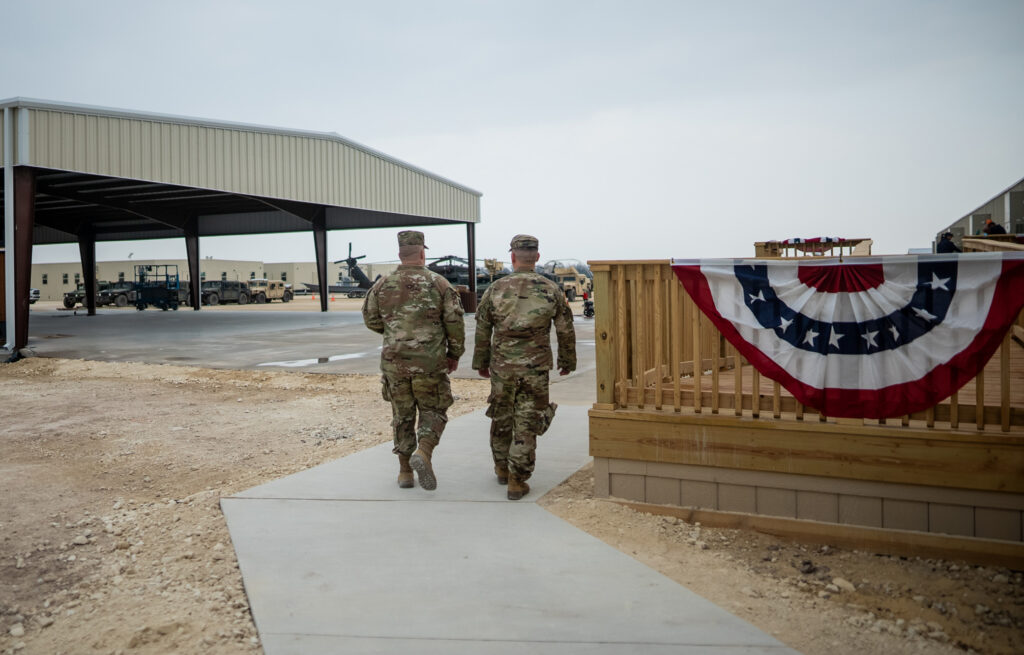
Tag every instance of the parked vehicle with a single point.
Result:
(567, 274)
(214, 292)
(33, 296)
(119, 294)
(157, 285)
(77, 297)
(261, 291)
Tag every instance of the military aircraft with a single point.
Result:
(357, 290)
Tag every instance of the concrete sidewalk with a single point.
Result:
(339, 559)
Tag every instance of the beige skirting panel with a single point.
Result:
(870, 504)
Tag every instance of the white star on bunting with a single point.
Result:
(939, 283)
(924, 313)
(759, 296)
(869, 337)
(834, 337)
(810, 337)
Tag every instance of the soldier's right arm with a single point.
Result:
(484, 327)
(371, 311)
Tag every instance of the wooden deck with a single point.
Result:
(742, 446)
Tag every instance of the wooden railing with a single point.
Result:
(656, 351)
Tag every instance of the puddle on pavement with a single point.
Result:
(299, 363)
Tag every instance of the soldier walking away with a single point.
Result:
(513, 349)
(420, 316)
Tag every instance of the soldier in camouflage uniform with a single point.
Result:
(513, 349)
(420, 316)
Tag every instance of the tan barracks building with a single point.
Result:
(54, 280)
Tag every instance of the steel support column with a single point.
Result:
(24, 221)
(471, 250)
(320, 242)
(192, 253)
(87, 251)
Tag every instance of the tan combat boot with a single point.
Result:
(501, 470)
(517, 488)
(420, 462)
(405, 480)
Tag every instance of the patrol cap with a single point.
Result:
(410, 238)
(523, 242)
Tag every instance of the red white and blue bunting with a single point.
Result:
(868, 337)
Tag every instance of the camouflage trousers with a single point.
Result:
(520, 412)
(430, 396)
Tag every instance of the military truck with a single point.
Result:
(262, 291)
(567, 273)
(214, 292)
(120, 294)
(77, 297)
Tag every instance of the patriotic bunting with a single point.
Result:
(868, 337)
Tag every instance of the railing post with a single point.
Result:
(604, 337)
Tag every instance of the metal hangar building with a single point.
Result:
(75, 173)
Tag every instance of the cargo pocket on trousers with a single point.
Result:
(385, 392)
(546, 416)
(444, 394)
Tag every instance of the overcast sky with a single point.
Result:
(610, 130)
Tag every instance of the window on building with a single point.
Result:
(284, 276)
(252, 275)
(202, 276)
(341, 276)
(44, 278)
(120, 276)
(223, 276)
(78, 279)
(65, 278)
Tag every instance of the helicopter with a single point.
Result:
(357, 290)
(456, 270)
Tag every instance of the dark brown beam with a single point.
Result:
(87, 250)
(192, 252)
(320, 244)
(24, 221)
(471, 247)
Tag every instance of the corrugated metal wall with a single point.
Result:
(315, 169)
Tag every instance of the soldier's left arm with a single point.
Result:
(454, 323)
(566, 335)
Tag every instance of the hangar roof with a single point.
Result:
(134, 175)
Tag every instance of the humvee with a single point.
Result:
(119, 294)
(566, 274)
(262, 290)
(77, 297)
(215, 292)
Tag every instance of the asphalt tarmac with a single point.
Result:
(255, 337)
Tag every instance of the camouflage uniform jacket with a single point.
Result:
(513, 326)
(420, 316)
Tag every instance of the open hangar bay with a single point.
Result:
(82, 174)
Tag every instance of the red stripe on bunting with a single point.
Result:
(842, 277)
(896, 400)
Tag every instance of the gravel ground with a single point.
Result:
(112, 539)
